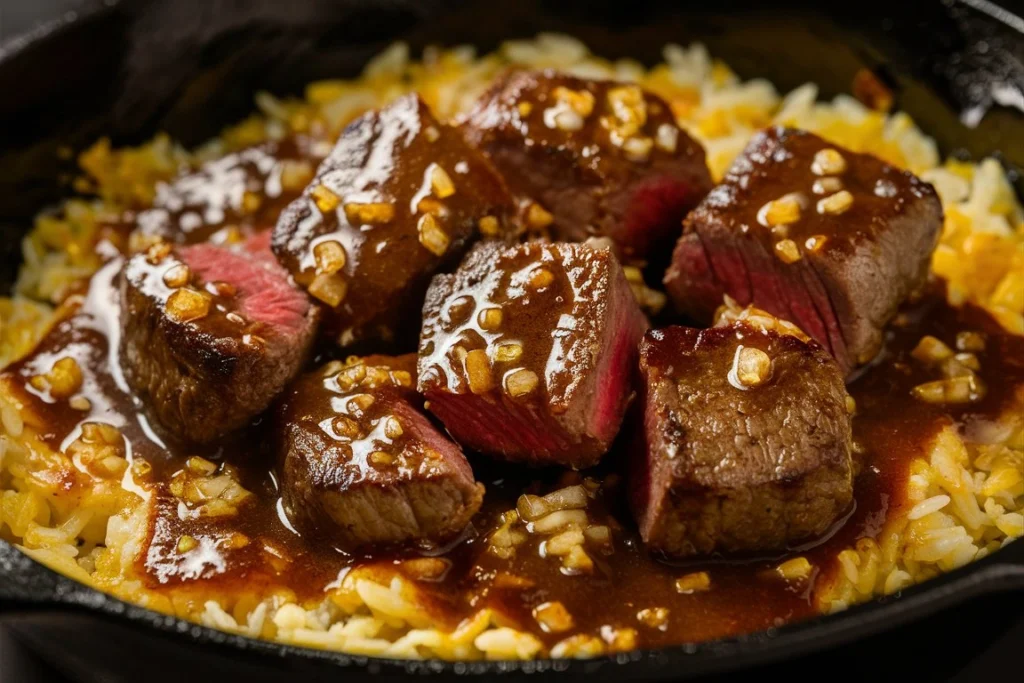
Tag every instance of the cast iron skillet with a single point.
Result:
(127, 69)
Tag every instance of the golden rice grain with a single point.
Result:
(697, 582)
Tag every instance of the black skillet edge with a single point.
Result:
(31, 589)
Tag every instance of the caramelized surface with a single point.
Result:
(600, 157)
(828, 239)
(352, 407)
(587, 122)
(803, 166)
(747, 441)
(361, 465)
(710, 397)
(400, 196)
(541, 303)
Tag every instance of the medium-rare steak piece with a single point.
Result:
(527, 352)
(400, 197)
(211, 334)
(830, 240)
(747, 440)
(362, 465)
(604, 158)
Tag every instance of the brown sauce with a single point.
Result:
(891, 428)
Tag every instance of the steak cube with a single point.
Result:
(527, 352)
(605, 158)
(747, 440)
(362, 465)
(400, 197)
(831, 240)
(211, 334)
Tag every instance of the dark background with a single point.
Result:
(980, 641)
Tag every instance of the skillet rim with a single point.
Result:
(36, 589)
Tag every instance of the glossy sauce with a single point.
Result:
(538, 342)
(543, 298)
(591, 121)
(786, 165)
(231, 197)
(604, 158)
(355, 431)
(831, 241)
(891, 428)
(400, 196)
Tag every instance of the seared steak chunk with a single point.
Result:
(747, 441)
(527, 352)
(604, 158)
(400, 197)
(362, 465)
(227, 199)
(211, 334)
(831, 240)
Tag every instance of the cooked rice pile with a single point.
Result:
(967, 498)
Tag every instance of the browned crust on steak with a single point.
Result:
(739, 470)
(421, 490)
(586, 178)
(207, 377)
(384, 161)
(875, 254)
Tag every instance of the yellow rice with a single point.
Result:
(967, 498)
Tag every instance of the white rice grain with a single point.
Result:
(928, 506)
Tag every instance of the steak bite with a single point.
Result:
(527, 352)
(747, 440)
(362, 465)
(829, 239)
(604, 158)
(400, 197)
(211, 334)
